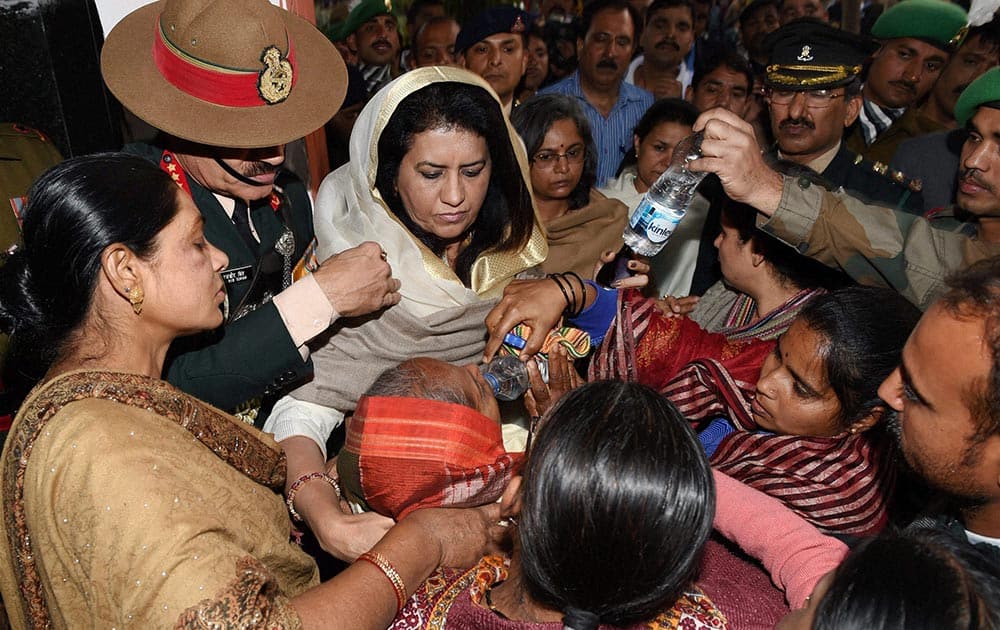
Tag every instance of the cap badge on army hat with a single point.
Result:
(226, 73)
(277, 77)
(828, 59)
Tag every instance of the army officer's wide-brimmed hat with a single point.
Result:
(227, 73)
(808, 54)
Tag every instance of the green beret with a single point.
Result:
(937, 22)
(985, 89)
(360, 14)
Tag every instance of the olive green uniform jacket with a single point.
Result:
(253, 356)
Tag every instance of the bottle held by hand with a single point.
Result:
(659, 211)
(508, 376)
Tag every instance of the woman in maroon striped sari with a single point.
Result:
(808, 431)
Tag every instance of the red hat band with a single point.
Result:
(230, 87)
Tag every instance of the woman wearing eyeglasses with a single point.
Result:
(581, 223)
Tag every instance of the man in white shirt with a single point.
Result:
(666, 41)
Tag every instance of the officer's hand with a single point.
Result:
(358, 281)
(730, 151)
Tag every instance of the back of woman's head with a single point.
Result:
(918, 580)
(864, 329)
(617, 503)
(505, 221)
(785, 263)
(75, 210)
(533, 118)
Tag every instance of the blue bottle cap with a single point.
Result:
(514, 340)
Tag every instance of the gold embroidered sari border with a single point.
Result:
(225, 437)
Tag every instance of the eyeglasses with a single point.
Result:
(549, 159)
(815, 99)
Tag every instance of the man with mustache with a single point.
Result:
(917, 38)
(813, 94)
(723, 79)
(979, 52)
(222, 140)
(931, 156)
(666, 41)
(790, 10)
(493, 45)
(946, 399)
(371, 30)
(608, 33)
(873, 244)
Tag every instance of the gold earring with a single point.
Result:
(135, 298)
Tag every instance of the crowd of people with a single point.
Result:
(241, 405)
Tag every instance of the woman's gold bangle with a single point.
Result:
(390, 572)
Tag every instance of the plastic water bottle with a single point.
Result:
(508, 376)
(659, 211)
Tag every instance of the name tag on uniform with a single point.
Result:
(240, 274)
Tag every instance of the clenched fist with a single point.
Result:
(358, 281)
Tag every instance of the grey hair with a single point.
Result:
(407, 380)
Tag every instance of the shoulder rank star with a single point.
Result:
(275, 81)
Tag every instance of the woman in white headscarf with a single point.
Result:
(439, 179)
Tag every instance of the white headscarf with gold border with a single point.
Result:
(350, 210)
(438, 316)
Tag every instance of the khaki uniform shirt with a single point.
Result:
(877, 245)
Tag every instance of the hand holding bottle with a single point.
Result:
(659, 211)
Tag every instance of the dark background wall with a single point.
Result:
(50, 64)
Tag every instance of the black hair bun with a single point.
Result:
(19, 308)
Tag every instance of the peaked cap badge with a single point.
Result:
(517, 26)
(806, 54)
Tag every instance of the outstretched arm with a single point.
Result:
(794, 552)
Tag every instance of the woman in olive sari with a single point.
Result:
(125, 501)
